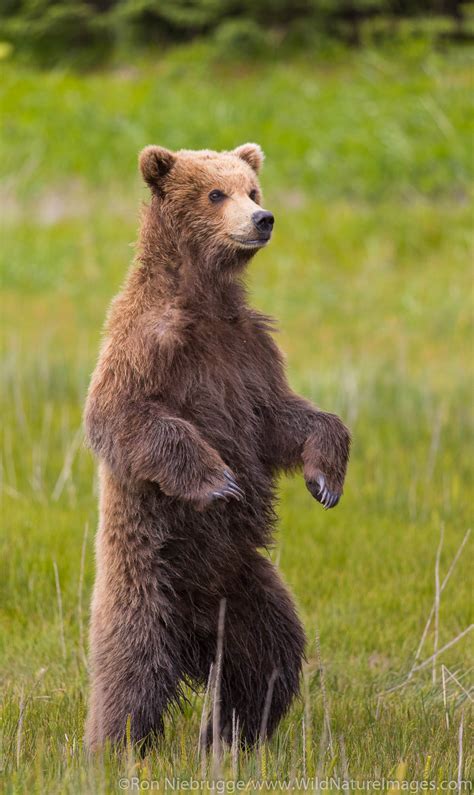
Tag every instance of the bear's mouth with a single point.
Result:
(248, 242)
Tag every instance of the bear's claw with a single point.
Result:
(231, 489)
(322, 494)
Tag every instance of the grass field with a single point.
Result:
(369, 167)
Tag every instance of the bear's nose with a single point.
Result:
(263, 221)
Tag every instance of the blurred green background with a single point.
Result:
(88, 32)
(367, 128)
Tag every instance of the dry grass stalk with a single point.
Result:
(323, 745)
(268, 703)
(66, 471)
(327, 717)
(437, 601)
(235, 745)
(307, 717)
(60, 609)
(428, 660)
(450, 675)
(442, 587)
(202, 750)
(445, 699)
(460, 752)
(264, 721)
(82, 648)
(216, 710)
(20, 729)
(303, 739)
(435, 441)
(344, 763)
(23, 704)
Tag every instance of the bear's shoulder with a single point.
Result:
(163, 328)
(266, 349)
(140, 346)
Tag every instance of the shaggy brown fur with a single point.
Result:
(191, 416)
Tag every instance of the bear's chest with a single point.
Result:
(225, 379)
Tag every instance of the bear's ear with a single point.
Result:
(155, 163)
(252, 154)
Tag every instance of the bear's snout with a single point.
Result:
(263, 222)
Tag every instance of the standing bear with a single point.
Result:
(191, 417)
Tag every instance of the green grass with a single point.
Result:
(369, 167)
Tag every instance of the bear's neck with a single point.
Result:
(167, 283)
(167, 275)
(218, 297)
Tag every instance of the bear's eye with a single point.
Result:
(216, 196)
(253, 194)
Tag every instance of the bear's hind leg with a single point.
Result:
(134, 681)
(263, 651)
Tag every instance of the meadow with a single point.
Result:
(369, 174)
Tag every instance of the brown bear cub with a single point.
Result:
(191, 416)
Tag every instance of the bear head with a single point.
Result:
(207, 204)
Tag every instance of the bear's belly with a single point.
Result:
(141, 529)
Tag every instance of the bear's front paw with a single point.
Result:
(327, 494)
(221, 488)
(229, 488)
